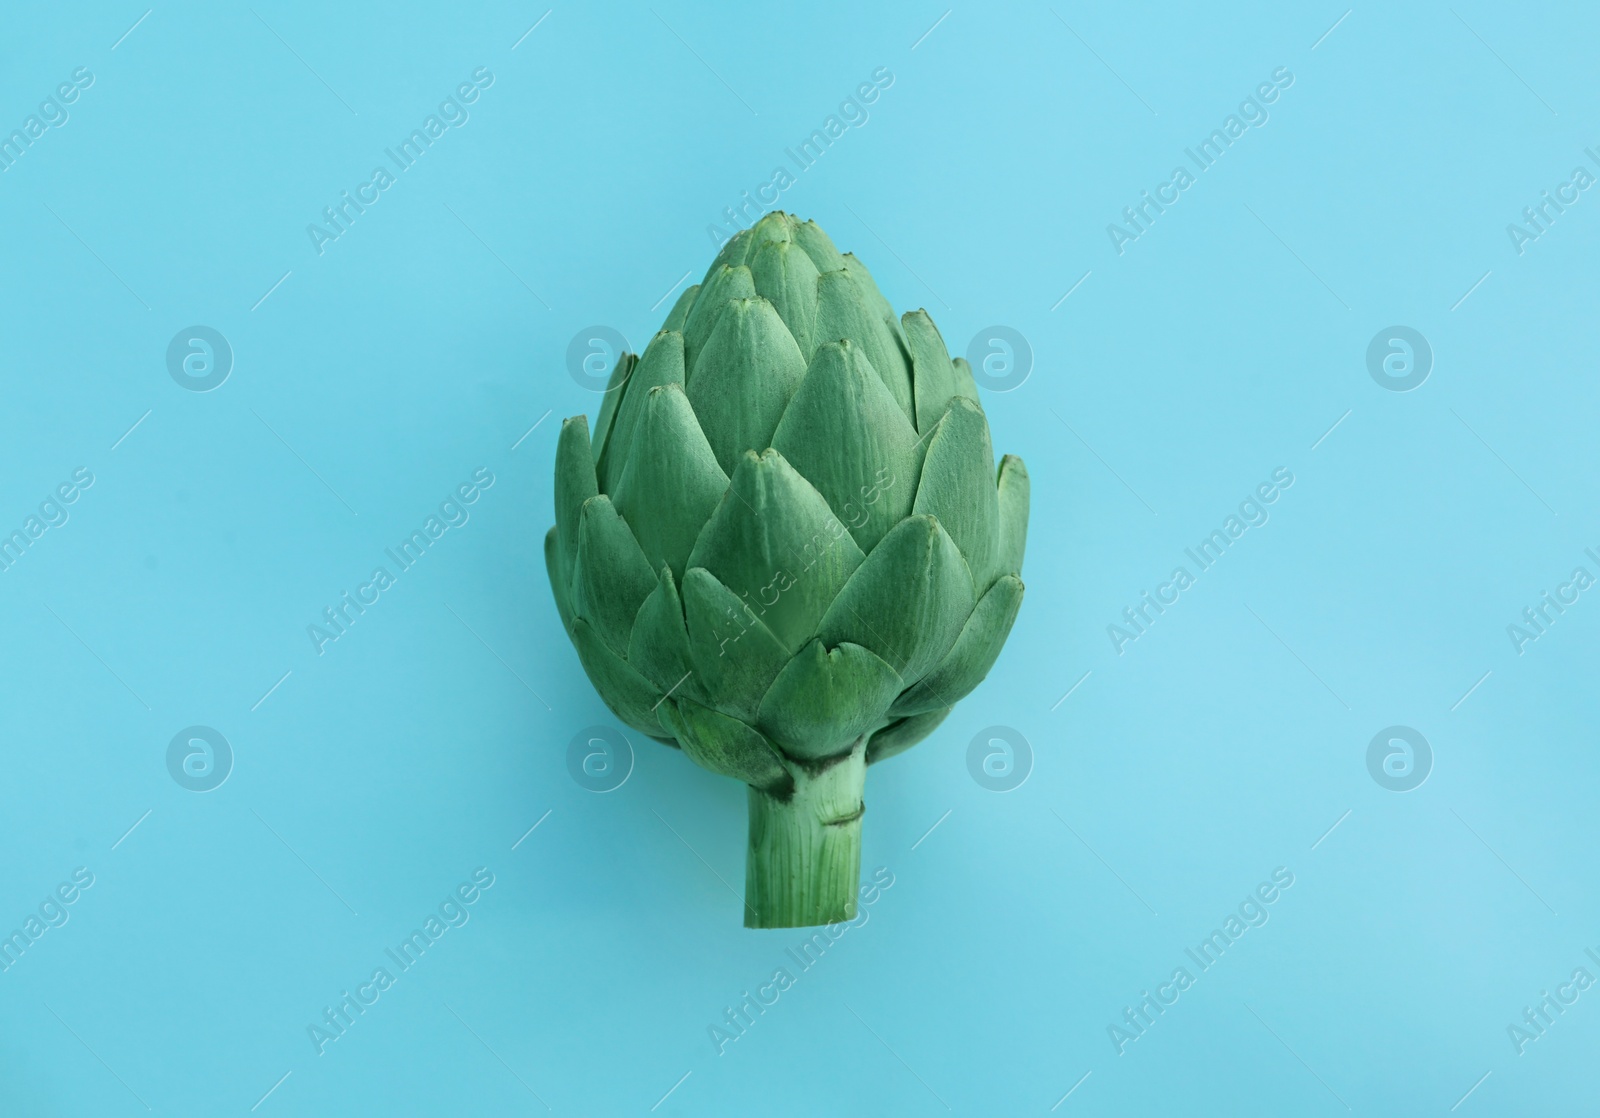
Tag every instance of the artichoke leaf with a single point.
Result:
(847, 309)
(733, 654)
(743, 379)
(908, 602)
(725, 745)
(556, 568)
(774, 542)
(965, 385)
(734, 252)
(933, 376)
(785, 276)
(628, 694)
(973, 655)
(722, 287)
(658, 647)
(611, 400)
(612, 577)
(1013, 485)
(680, 309)
(575, 484)
(661, 364)
(902, 734)
(672, 481)
(825, 699)
(957, 486)
(817, 245)
(846, 435)
(884, 309)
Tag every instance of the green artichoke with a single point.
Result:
(786, 550)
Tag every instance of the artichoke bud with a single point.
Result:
(786, 548)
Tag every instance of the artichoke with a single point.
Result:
(786, 549)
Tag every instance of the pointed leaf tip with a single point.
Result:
(743, 379)
(672, 481)
(846, 435)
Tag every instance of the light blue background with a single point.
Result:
(1221, 345)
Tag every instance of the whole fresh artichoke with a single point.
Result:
(786, 549)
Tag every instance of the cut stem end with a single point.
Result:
(803, 865)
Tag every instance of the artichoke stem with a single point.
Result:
(804, 861)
